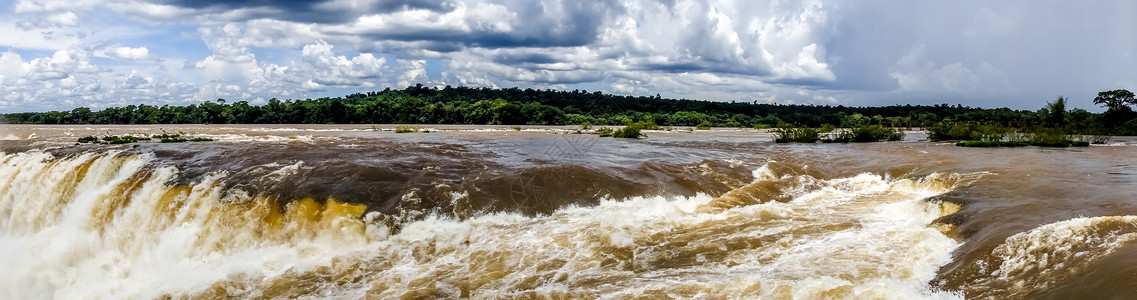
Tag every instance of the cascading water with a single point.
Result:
(110, 225)
(351, 213)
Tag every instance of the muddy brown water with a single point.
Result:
(489, 212)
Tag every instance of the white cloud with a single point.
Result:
(127, 53)
(331, 69)
(66, 19)
(12, 65)
(61, 64)
(154, 13)
(136, 81)
(46, 21)
(35, 6)
(414, 71)
(21, 38)
(914, 73)
(812, 51)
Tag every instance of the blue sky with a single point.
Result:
(61, 54)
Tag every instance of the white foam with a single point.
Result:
(1034, 259)
(891, 254)
(75, 255)
(865, 236)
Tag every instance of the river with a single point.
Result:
(359, 211)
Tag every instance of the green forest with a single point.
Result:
(514, 106)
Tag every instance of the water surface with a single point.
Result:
(489, 212)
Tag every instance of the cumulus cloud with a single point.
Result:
(68, 78)
(127, 53)
(914, 73)
(61, 64)
(154, 13)
(58, 20)
(413, 71)
(812, 51)
(339, 70)
(136, 81)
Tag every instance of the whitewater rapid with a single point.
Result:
(110, 225)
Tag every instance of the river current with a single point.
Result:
(489, 212)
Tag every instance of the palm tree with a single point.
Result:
(1056, 112)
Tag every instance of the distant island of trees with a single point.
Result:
(514, 106)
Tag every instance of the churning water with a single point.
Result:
(353, 213)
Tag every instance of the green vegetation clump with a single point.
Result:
(586, 125)
(178, 138)
(123, 139)
(112, 139)
(516, 128)
(705, 125)
(988, 135)
(628, 132)
(1050, 137)
(604, 131)
(948, 130)
(170, 138)
(127, 139)
(867, 134)
(405, 129)
(788, 133)
(631, 130)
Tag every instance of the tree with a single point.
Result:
(1115, 99)
(1056, 112)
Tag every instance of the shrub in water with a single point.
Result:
(126, 139)
(604, 131)
(170, 138)
(949, 131)
(868, 133)
(786, 134)
(405, 129)
(705, 125)
(1050, 137)
(628, 132)
(632, 131)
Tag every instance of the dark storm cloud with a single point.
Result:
(525, 58)
(701, 65)
(399, 5)
(322, 12)
(538, 24)
(200, 4)
(302, 5)
(1016, 53)
(409, 48)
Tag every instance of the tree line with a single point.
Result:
(514, 106)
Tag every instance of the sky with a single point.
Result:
(62, 54)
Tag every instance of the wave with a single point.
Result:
(1032, 261)
(113, 225)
